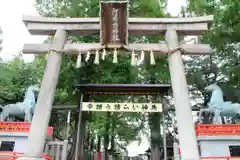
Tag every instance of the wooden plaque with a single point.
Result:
(114, 16)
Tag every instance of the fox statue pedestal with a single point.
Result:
(14, 135)
(219, 140)
(13, 138)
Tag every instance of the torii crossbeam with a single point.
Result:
(114, 34)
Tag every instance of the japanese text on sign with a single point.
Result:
(115, 30)
(122, 107)
(114, 22)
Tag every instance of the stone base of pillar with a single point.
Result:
(29, 158)
(110, 157)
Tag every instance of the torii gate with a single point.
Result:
(114, 34)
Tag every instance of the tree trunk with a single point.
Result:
(106, 135)
(82, 134)
(156, 138)
(82, 137)
(155, 154)
(98, 143)
(112, 134)
(154, 124)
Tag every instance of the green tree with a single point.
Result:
(0, 39)
(223, 65)
(15, 77)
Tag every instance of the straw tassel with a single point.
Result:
(115, 58)
(96, 60)
(79, 61)
(152, 59)
(88, 56)
(46, 56)
(133, 59)
(104, 54)
(142, 56)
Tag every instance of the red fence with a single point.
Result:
(220, 158)
(19, 127)
(218, 129)
(15, 155)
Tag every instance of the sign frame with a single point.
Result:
(114, 24)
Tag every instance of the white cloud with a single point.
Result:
(15, 33)
(174, 6)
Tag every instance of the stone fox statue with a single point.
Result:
(21, 110)
(219, 107)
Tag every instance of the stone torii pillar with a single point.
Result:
(42, 113)
(170, 27)
(186, 128)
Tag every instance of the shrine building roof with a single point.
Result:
(123, 89)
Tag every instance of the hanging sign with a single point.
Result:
(114, 23)
(122, 107)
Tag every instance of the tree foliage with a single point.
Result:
(223, 66)
(15, 77)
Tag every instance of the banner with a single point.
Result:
(114, 23)
(122, 107)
